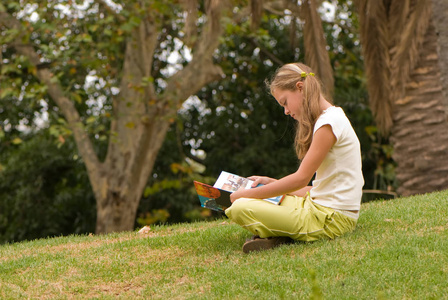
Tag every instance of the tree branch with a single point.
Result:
(195, 158)
(201, 70)
(266, 52)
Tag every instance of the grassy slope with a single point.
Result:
(398, 251)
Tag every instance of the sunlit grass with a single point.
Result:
(398, 251)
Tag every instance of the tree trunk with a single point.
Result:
(141, 121)
(420, 131)
(440, 9)
(120, 194)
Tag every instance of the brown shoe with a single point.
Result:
(254, 237)
(259, 244)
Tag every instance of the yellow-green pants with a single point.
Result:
(296, 217)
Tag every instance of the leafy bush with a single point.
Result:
(44, 190)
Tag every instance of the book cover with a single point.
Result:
(217, 197)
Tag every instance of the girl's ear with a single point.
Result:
(299, 85)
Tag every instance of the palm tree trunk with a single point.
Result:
(440, 9)
(420, 131)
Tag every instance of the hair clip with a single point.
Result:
(304, 74)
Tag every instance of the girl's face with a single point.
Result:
(291, 101)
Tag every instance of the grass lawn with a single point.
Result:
(398, 251)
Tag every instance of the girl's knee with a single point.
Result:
(239, 208)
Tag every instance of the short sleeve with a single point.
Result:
(330, 117)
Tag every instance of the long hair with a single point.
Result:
(286, 78)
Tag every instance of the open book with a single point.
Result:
(217, 197)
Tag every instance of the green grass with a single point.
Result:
(398, 251)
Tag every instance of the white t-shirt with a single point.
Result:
(339, 180)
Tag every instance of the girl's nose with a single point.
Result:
(286, 111)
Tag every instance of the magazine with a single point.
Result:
(217, 197)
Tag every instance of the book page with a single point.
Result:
(231, 182)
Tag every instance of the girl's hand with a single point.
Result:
(261, 180)
(241, 193)
(237, 194)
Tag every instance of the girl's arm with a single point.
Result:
(302, 192)
(322, 142)
(266, 180)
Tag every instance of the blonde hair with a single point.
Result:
(286, 78)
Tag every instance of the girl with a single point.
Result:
(327, 146)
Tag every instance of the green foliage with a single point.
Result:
(45, 191)
(398, 251)
(238, 125)
(156, 215)
(381, 153)
(83, 50)
(171, 186)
